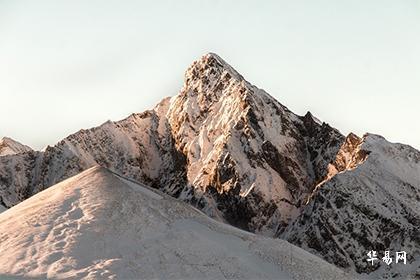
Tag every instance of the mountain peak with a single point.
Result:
(213, 55)
(6, 139)
(210, 67)
(353, 138)
(8, 146)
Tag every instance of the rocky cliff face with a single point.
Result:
(239, 155)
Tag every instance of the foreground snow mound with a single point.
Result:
(100, 225)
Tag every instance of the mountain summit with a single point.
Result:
(233, 151)
(249, 159)
(8, 146)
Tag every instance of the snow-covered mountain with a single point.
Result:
(240, 156)
(9, 146)
(100, 225)
(222, 144)
(249, 159)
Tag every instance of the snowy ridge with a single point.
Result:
(98, 225)
(136, 146)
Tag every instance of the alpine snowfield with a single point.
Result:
(99, 225)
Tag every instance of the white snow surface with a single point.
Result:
(98, 225)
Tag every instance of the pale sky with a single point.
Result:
(67, 65)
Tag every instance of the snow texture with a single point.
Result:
(99, 225)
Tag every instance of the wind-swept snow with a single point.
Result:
(99, 225)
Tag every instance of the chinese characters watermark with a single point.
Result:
(399, 257)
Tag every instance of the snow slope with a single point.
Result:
(99, 225)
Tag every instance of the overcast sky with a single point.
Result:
(67, 65)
